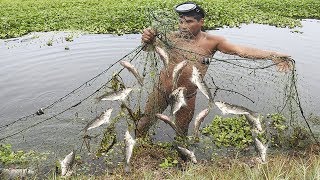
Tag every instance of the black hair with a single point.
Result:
(194, 14)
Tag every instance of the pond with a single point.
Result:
(40, 68)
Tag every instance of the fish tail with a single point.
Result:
(140, 80)
(127, 169)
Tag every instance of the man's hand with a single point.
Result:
(148, 36)
(283, 63)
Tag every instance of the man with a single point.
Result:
(200, 45)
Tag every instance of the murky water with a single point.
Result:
(33, 74)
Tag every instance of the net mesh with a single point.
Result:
(252, 83)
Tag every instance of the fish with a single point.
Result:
(254, 120)
(199, 119)
(67, 163)
(115, 96)
(102, 119)
(129, 143)
(197, 80)
(167, 120)
(251, 116)
(179, 99)
(188, 153)
(261, 148)
(163, 56)
(227, 108)
(13, 173)
(133, 70)
(176, 73)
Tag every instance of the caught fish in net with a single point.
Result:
(174, 81)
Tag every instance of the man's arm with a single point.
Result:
(246, 52)
(282, 60)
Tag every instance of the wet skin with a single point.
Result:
(191, 38)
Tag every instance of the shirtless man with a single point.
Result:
(191, 38)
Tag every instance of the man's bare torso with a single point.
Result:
(194, 50)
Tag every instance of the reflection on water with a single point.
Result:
(33, 74)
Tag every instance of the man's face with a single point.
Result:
(189, 25)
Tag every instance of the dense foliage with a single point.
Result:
(19, 17)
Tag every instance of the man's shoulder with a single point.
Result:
(212, 37)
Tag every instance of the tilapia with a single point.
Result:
(163, 56)
(199, 119)
(116, 96)
(179, 99)
(176, 73)
(261, 148)
(129, 142)
(67, 163)
(188, 153)
(167, 120)
(13, 173)
(197, 80)
(227, 108)
(102, 119)
(133, 70)
(254, 120)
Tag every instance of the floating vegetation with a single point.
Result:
(50, 42)
(22, 17)
(226, 132)
(69, 38)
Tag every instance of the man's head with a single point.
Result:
(191, 17)
(190, 9)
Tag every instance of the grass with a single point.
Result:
(19, 17)
(290, 165)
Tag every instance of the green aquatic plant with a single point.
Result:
(22, 17)
(278, 127)
(50, 42)
(69, 38)
(236, 132)
(116, 82)
(108, 141)
(231, 131)
(10, 157)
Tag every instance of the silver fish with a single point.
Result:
(177, 71)
(133, 70)
(179, 99)
(227, 108)
(261, 148)
(188, 153)
(199, 119)
(167, 120)
(102, 119)
(129, 142)
(163, 56)
(67, 163)
(115, 96)
(254, 120)
(12, 173)
(197, 80)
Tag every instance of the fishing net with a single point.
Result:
(255, 84)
